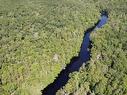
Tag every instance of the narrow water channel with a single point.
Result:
(76, 62)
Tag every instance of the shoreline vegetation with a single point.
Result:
(39, 37)
(76, 61)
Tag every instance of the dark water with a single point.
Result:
(76, 62)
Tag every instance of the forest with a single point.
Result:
(38, 38)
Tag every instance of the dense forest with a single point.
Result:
(39, 37)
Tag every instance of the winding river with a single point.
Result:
(76, 62)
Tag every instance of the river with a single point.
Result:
(76, 62)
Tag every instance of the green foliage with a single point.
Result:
(106, 72)
(33, 31)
